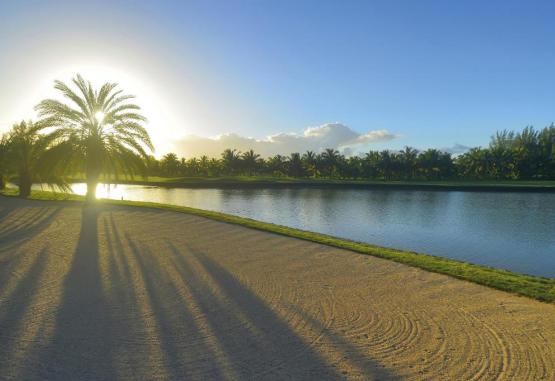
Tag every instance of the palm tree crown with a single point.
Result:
(99, 132)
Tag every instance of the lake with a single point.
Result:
(513, 231)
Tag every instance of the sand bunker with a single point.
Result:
(105, 293)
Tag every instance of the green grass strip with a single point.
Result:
(539, 288)
(272, 181)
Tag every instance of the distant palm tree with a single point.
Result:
(98, 133)
(385, 164)
(250, 161)
(192, 166)
(310, 160)
(215, 167)
(408, 161)
(170, 164)
(371, 164)
(276, 165)
(230, 158)
(330, 159)
(435, 163)
(204, 164)
(295, 165)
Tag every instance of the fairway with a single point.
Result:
(111, 292)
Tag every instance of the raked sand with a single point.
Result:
(107, 293)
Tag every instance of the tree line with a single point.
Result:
(525, 155)
(99, 134)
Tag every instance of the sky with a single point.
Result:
(283, 76)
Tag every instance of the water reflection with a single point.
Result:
(506, 230)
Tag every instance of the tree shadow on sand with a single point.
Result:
(131, 312)
(19, 224)
(81, 346)
(275, 334)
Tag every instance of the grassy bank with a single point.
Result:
(291, 182)
(535, 287)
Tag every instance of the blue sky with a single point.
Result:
(430, 73)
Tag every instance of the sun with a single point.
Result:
(99, 116)
(160, 110)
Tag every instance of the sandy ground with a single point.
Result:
(106, 293)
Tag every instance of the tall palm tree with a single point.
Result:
(97, 132)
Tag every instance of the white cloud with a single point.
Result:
(456, 149)
(331, 135)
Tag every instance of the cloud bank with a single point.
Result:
(331, 135)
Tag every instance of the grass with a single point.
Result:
(539, 288)
(272, 181)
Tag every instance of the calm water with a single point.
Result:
(515, 231)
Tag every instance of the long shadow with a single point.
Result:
(5, 208)
(28, 220)
(258, 343)
(81, 346)
(246, 300)
(13, 311)
(12, 236)
(180, 336)
(10, 242)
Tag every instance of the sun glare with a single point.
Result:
(162, 123)
(99, 116)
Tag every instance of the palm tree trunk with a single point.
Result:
(91, 190)
(25, 185)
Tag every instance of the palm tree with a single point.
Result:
(25, 152)
(276, 165)
(170, 164)
(250, 161)
(371, 164)
(330, 159)
(98, 132)
(204, 164)
(435, 164)
(230, 158)
(215, 167)
(191, 166)
(385, 164)
(473, 164)
(310, 159)
(408, 159)
(295, 167)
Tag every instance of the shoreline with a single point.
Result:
(277, 183)
(539, 288)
